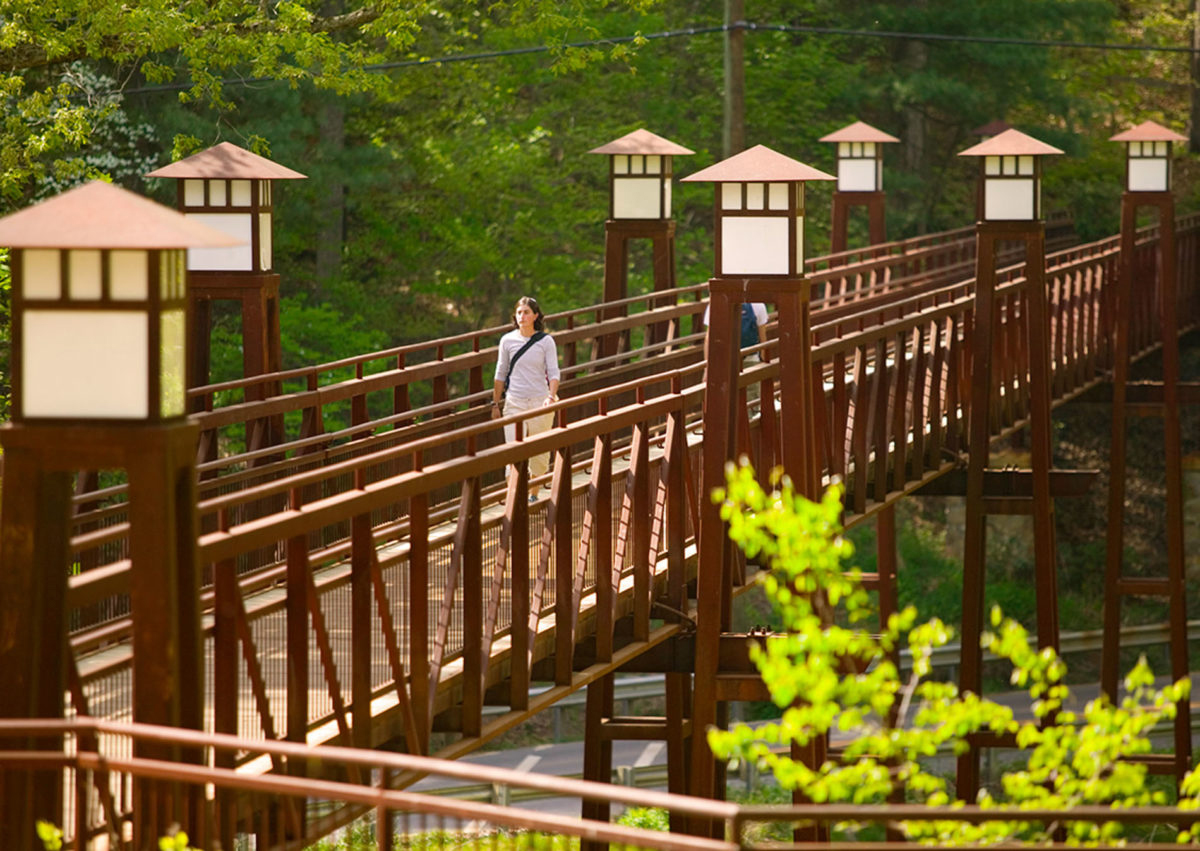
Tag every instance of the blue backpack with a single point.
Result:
(749, 326)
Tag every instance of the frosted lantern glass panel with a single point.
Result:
(800, 244)
(731, 196)
(1008, 200)
(754, 245)
(42, 276)
(172, 363)
(216, 193)
(128, 275)
(754, 196)
(264, 241)
(83, 276)
(991, 165)
(193, 193)
(636, 198)
(1148, 175)
(777, 196)
(653, 164)
(235, 258)
(621, 164)
(91, 364)
(239, 193)
(856, 175)
(666, 213)
(843, 149)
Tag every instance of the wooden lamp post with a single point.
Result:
(232, 190)
(99, 331)
(640, 171)
(1009, 202)
(759, 256)
(859, 180)
(1148, 148)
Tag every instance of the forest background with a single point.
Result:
(445, 142)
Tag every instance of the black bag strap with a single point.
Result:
(537, 335)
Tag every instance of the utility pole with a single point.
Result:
(1194, 123)
(733, 137)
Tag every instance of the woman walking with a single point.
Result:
(527, 377)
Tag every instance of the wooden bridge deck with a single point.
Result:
(381, 582)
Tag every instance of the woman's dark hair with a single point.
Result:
(531, 302)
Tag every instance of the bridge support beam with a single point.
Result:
(798, 455)
(876, 223)
(1167, 397)
(618, 233)
(987, 405)
(163, 587)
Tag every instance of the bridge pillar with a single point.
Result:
(617, 236)
(163, 587)
(990, 372)
(1162, 398)
(842, 204)
(759, 210)
(640, 171)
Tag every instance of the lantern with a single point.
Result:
(639, 175)
(859, 157)
(99, 306)
(759, 212)
(1010, 176)
(1148, 156)
(229, 188)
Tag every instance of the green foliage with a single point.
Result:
(178, 841)
(646, 818)
(825, 678)
(50, 836)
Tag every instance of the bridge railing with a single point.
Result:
(122, 781)
(391, 604)
(894, 384)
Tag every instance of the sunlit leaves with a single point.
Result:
(833, 680)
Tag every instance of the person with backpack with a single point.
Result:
(753, 318)
(753, 324)
(527, 378)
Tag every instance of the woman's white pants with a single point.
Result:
(538, 464)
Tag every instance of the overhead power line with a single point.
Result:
(748, 26)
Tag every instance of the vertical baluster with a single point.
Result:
(474, 641)
(564, 596)
(418, 615)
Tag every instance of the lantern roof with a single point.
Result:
(1148, 131)
(1009, 143)
(992, 128)
(859, 131)
(227, 160)
(100, 215)
(642, 141)
(759, 163)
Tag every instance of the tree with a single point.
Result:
(827, 674)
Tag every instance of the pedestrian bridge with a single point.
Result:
(375, 578)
